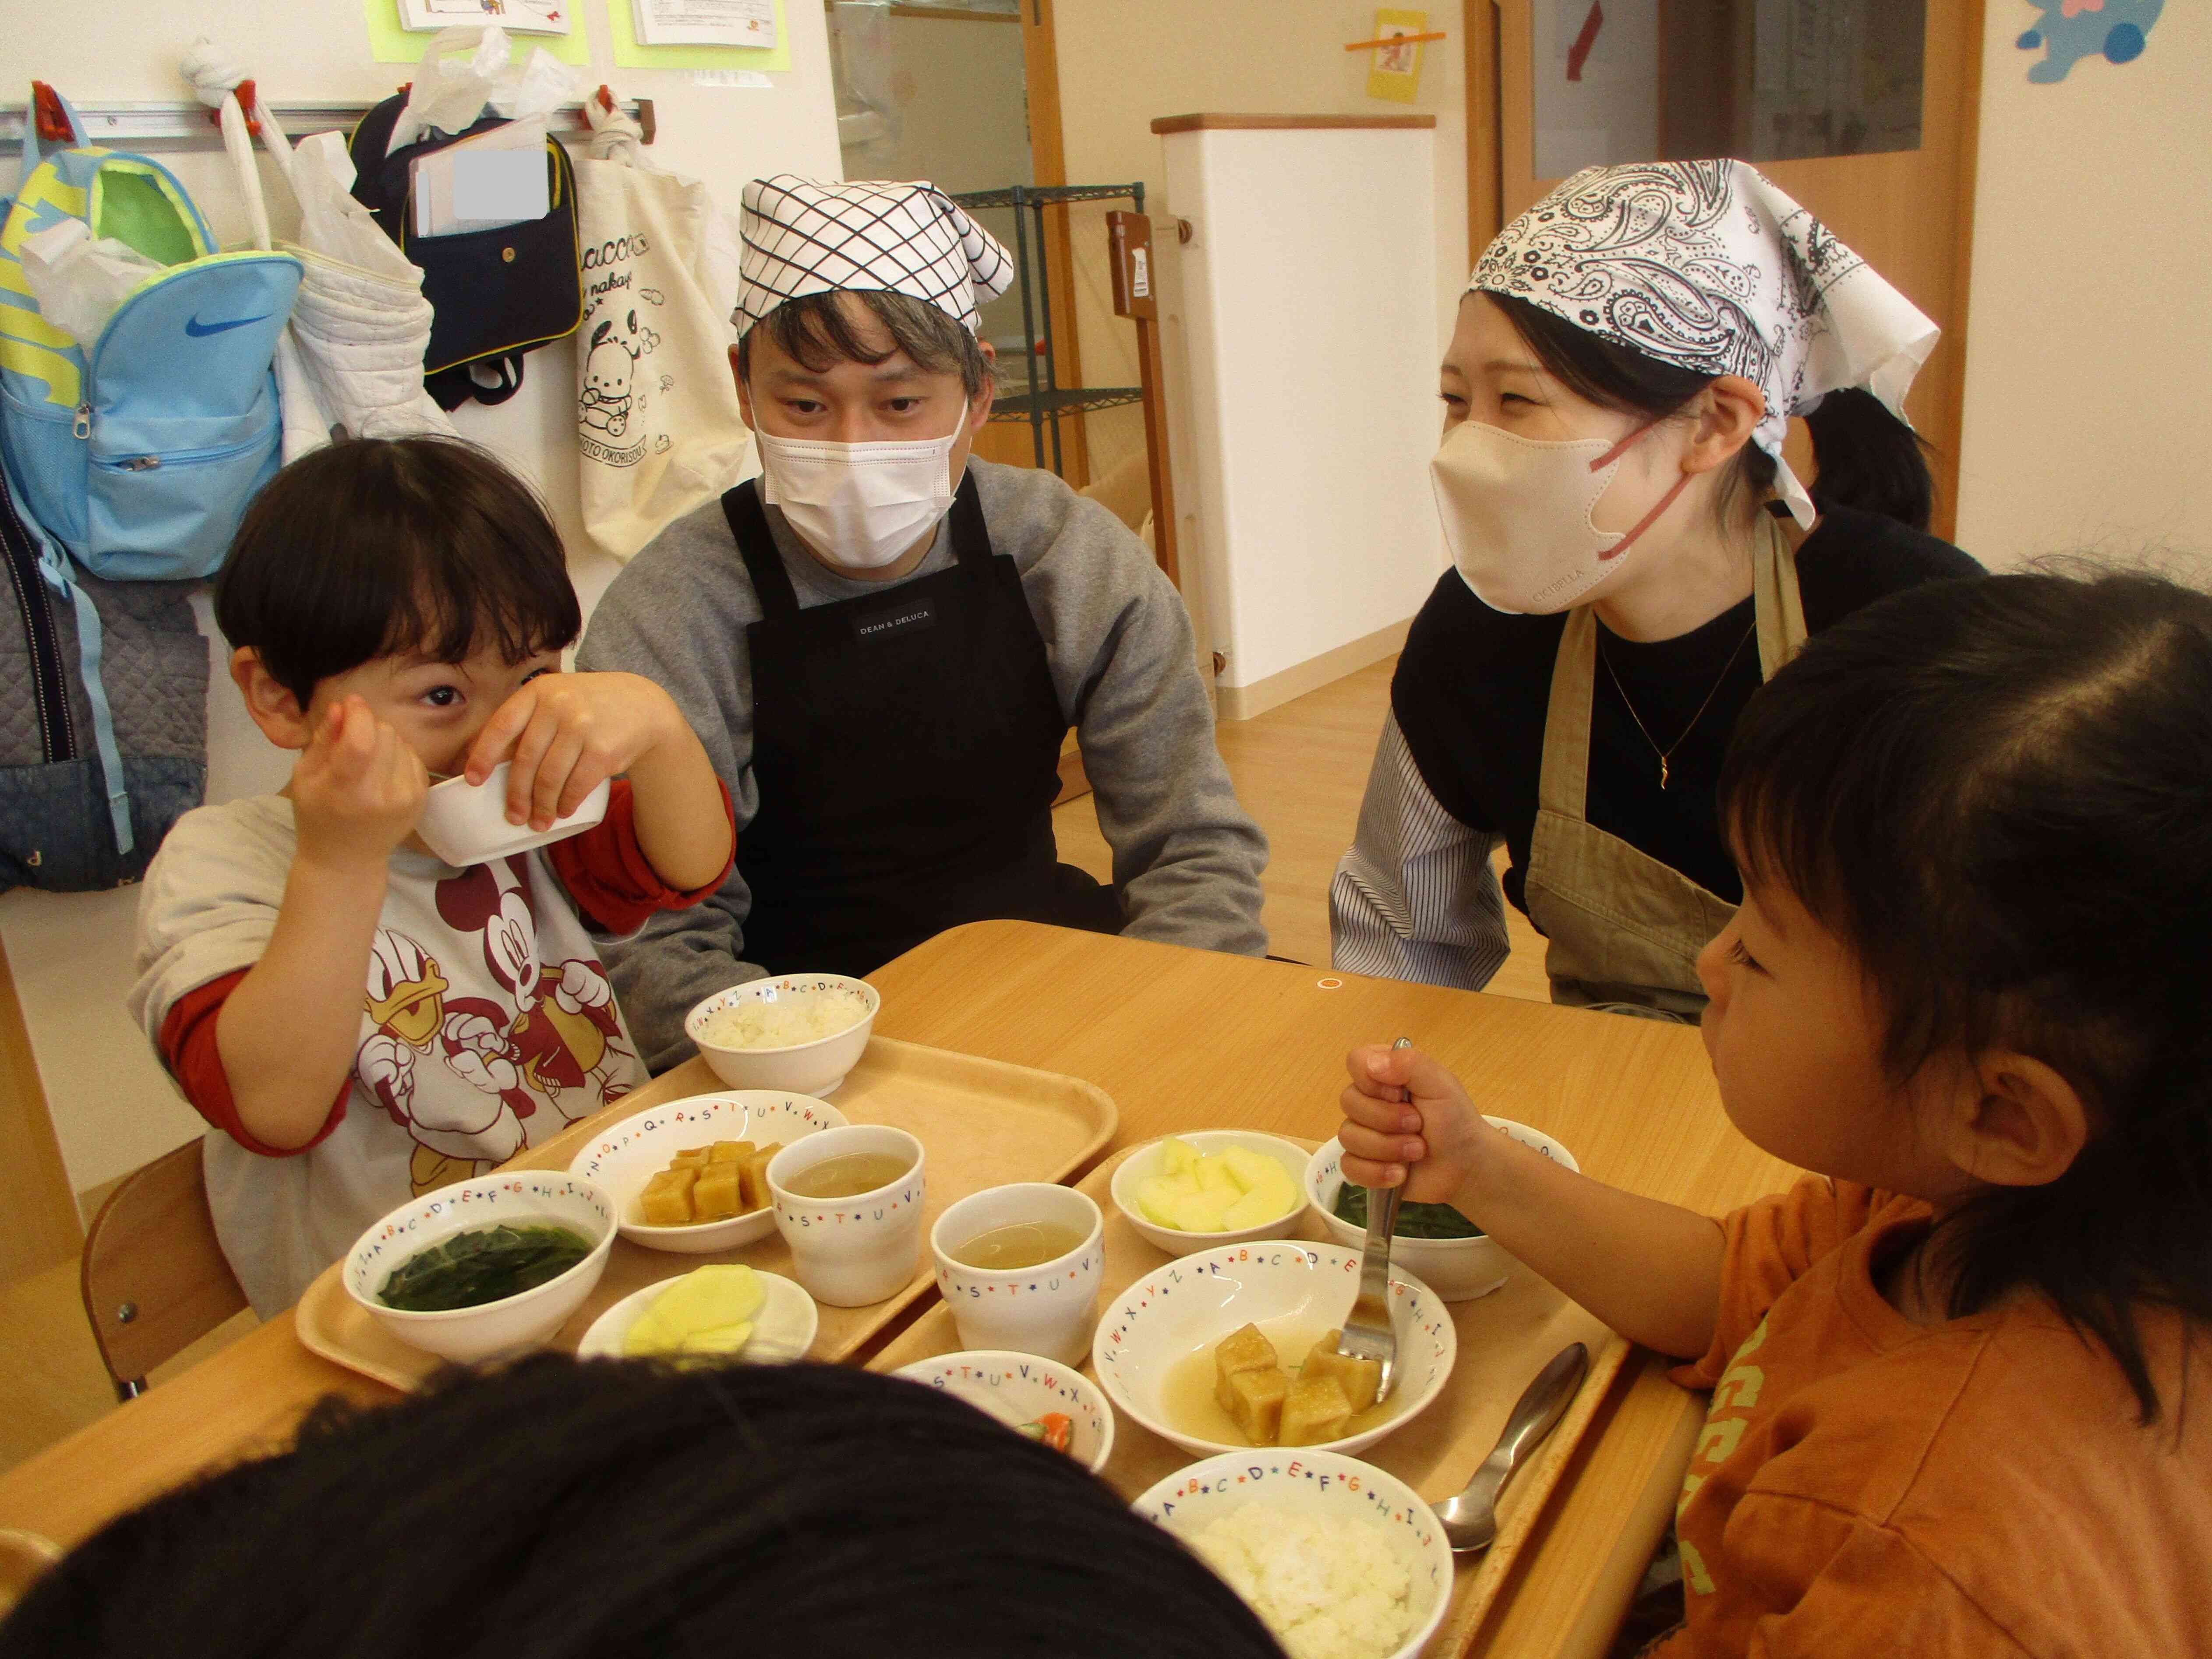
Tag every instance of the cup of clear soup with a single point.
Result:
(1019, 1266)
(848, 1203)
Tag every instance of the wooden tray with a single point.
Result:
(1504, 1340)
(983, 1122)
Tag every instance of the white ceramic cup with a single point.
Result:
(849, 1252)
(1045, 1310)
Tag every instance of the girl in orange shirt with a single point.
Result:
(1967, 987)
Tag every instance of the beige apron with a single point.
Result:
(1624, 930)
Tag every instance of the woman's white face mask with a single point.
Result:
(1517, 514)
(861, 505)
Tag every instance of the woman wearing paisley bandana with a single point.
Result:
(1633, 558)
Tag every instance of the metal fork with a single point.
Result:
(1367, 1334)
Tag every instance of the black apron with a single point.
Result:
(906, 747)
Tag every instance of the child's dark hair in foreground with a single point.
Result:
(607, 1509)
(2000, 793)
(374, 548)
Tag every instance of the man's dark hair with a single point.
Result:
(1998, 791)
(612, 1510)
(375, 546)
(817, 333)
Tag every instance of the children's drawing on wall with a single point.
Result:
(2070, 30)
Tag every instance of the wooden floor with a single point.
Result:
(1299, 769)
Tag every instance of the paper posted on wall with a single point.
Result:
(704, 23)
(515, 16)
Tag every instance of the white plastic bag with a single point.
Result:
(452, 97)
(658, 430)
(79, 281)
(351, 362)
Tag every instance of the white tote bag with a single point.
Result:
(658, 430)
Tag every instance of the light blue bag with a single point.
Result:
(140, 454)
(137, 457)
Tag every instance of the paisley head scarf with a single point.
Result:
(1708, 265)
(802, 237)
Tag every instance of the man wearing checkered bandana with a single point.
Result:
(883, 641)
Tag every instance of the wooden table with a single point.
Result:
(1181, 1039)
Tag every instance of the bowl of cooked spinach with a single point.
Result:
(1433, 1242)
(484, 1267)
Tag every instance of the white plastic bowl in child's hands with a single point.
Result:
(465, 823)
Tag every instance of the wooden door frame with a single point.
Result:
(1500, 30)
(1048, 166)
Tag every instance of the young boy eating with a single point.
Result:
(359, 1021)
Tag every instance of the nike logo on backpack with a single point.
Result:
(199, 329)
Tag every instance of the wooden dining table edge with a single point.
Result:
(1629, 1464)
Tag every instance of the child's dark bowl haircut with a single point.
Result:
(1998, 792)
(378, 547)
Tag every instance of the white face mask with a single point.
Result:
(861, 505)
(1517, 514)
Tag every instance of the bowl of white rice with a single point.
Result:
(801, 1032)
(1339, 1559)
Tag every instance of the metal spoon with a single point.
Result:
(1470, 1520)
(1367, 1334)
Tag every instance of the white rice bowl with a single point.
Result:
(1339, 1560)
(758, 1024)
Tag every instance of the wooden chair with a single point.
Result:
(154, 1278)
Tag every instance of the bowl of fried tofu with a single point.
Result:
(1235, 1348)
(691, 1175)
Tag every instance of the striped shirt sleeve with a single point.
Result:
(1415, 896)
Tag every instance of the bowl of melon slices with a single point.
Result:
(1213, 1187)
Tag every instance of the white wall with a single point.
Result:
(2090, 339)
(1124, 62)
(1312, 461)
(70, 954)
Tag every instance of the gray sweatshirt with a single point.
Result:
(1186, 856)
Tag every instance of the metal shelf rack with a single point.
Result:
(1044, 405)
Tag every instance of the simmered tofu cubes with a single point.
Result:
(1360, 1379)
(1313, 1410)
(1220, 1192)
(1250, 1383)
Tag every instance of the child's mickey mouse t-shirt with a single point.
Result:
(1866, 1485)
(487, 1022)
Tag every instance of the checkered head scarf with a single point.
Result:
(1708, 265)
(802, 237)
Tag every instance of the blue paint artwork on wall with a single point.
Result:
(2071, 30)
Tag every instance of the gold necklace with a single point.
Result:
(1664, 753)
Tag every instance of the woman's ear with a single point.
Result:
(2017, 1122)
(1727, 411)
(273, 708)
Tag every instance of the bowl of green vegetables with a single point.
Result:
(487, 1268)
(1433, 1242)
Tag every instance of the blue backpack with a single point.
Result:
(139, 453)
(137, 458)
